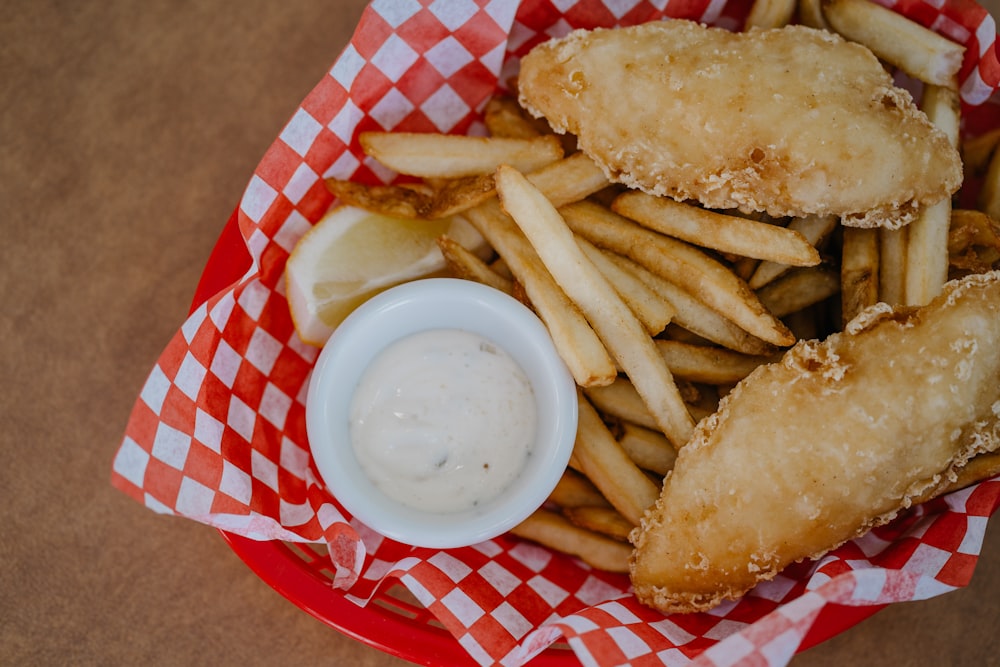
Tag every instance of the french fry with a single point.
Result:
(988, 199)
(926, 269)
(744, 267)
(504, 117)
(814, 228)
(977, 151)
(858, 271)
(392, 200)
(620, 400)
(708, 365)
(416, 200)
(647, 448)
(892, 265)
(454, 156)
(501, 268)
(575, 490)
(922, 53)
(973, 243)
(557, 532)
(694, 316)
(652, 310)
(569, 180)
(609, 468)
(972, 228)
(710, 229)
(684, 265)
(707, 401)
(770, 14)
(811, 14)
(460, 194)
(466, 265)
(603, 520)
(580, 348)
(623, 335)
(798, 289)
(806, 323)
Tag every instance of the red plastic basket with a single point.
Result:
(393, 622)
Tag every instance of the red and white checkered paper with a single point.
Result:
(218, 432)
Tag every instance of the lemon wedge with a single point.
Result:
(351, 255)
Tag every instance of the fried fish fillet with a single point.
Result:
(791, 121)
(814, 450)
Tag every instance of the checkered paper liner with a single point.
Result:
(218, 432)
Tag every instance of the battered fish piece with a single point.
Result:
(791, 121)
(814, 450)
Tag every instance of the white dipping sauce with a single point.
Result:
(443, 420)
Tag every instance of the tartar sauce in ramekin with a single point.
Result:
(443, 420)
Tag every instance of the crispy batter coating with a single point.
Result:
(814, 450)
(789, 121)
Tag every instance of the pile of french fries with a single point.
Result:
(659, 308)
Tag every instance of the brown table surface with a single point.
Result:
(127, 133)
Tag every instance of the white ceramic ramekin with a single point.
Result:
(437, 303)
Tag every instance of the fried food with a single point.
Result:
(920, 52)
(905, 398)
(557, 532)
(791, 121)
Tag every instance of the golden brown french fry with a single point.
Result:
(798, 289)
(465, 264)
(972, 228)
(501, 268)
(977, 151)
(858, 271)
(392, 200)
(569, 180)
(416, 200)
(770, 14)
(892, 265)
(708, 365)
(973, 243)
(693, 315)
(579, 346)
(623, 335)
(460, 194)
(927, 242)
(647, 448)
(988, 199)
(707, 401)
(807, 323)
(710, 229)
(575, 490)
(681, 263)
(620, 400)
(453, 156)
(504, 117)
(603, 520)
(811, 14)
(814, 228)
(557, 532)
(922, 53)
(606, 464)
(744, 267)
(653, 311)
(943, 108)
